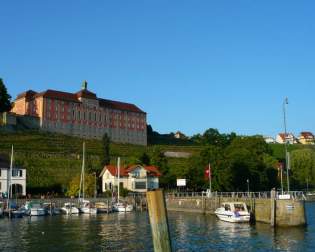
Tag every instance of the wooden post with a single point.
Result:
(158, 221)
(273, 207)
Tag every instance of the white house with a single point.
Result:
(18, 178)
(269, 139)
(135, 178)
(289, 138)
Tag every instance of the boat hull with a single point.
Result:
(37, 212)
(233, 218)
(69, 211)
(123, 208)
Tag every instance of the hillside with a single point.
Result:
(53, 159)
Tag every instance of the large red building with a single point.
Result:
(83, 114)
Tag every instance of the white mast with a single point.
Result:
(9, 175)
(118, 167)
(82, 174)
(83, 166)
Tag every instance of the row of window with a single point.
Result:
(15, 173)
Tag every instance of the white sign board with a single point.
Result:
(181, 182)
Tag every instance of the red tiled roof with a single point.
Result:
(307, 134)
(114, 171)
(154, 170)
(86, 94)
(119, 105)
(124, 171)
(58, 95)
(73, 97)
(282, 135)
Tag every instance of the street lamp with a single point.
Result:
(247, 187)
(286, 102)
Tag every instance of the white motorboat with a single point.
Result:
(123, 207)
(86, 208)
(233, 212)
(34, 209)
(51, 208)
(69, 208)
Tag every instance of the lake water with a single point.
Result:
(131, 232)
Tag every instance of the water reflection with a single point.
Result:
(131, 232)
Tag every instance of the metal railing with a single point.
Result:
(298, 195)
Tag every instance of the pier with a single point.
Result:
(266, 207)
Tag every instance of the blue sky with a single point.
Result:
(190, 65)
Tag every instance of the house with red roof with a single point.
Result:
(84, 115)
(307, 138)
(135, 178)
(289, 138)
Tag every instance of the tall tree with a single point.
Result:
(5, 104)
(106, 150)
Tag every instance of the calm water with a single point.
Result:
(131, 232)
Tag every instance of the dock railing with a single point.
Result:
(298, 195)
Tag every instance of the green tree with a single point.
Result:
(5, 104)
(106, 150)
(89, 186)
(303, 167)
(144, 159)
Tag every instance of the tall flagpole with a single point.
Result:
(210, 177)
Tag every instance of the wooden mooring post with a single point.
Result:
(158, 221)
(273, 208)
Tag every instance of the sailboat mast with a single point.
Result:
(118, 167)
(83, 165)
(9, 175)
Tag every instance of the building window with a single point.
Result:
(16, 173)
(79, 115)
(140, 185)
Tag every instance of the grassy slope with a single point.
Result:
(53, 159)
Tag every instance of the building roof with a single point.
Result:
(119, 105)
(58, 95)
(289, 135)
(124, 171)
(84, 93)
(306, 134)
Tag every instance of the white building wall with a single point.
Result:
(14, 180)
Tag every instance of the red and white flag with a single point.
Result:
(208, 172)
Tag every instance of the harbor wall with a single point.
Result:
(287, 212)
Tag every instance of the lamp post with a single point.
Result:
(285, 102)
(247, 181)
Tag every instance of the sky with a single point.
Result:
(191, 65)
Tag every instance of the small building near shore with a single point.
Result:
(307, 138)
(18, 179)
(288, 138)
(135, 178)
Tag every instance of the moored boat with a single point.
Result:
(102, 207)
(123, 207)
(233, 212)
(69, 208)
(51, 208)
(86, 207)
(34, 208)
